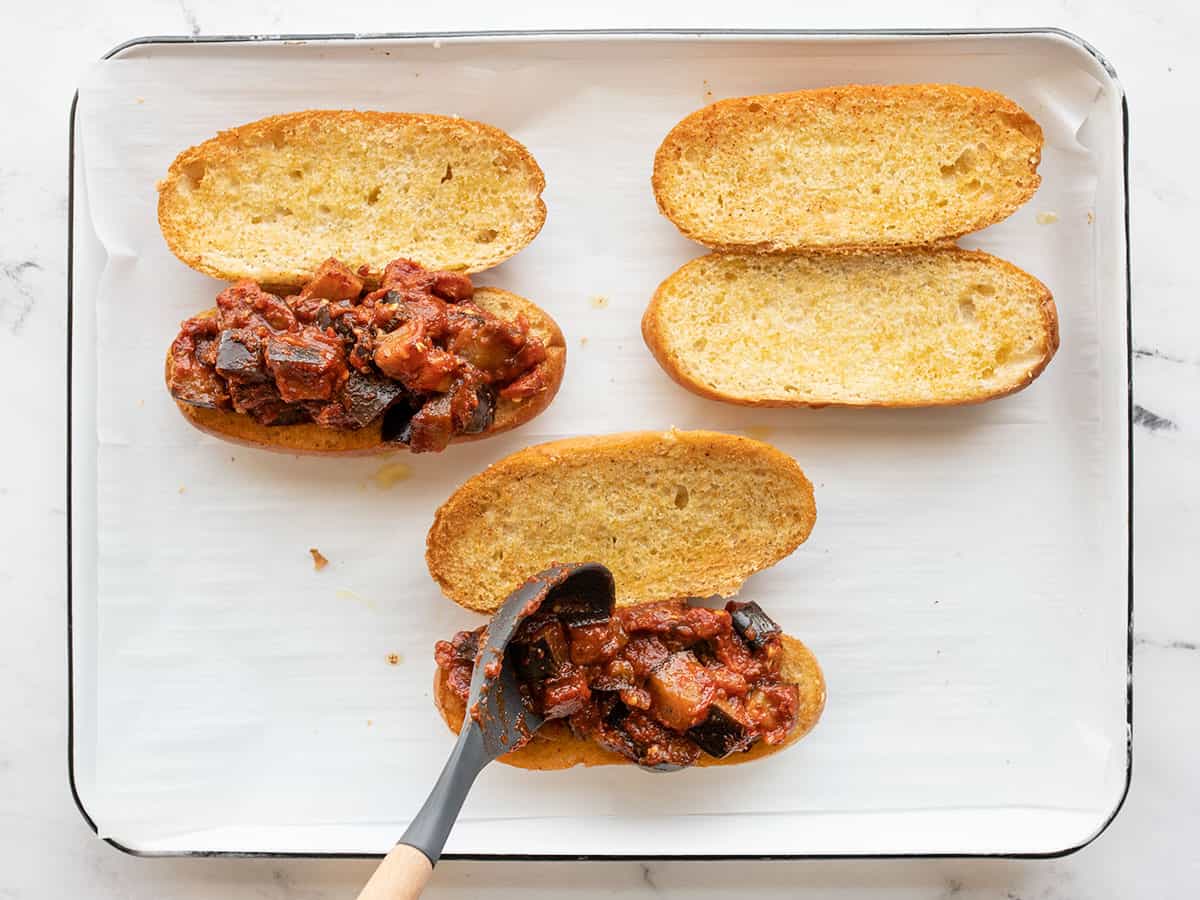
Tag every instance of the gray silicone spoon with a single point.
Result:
(497, 721)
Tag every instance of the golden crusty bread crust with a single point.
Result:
(672, 514)
(848, 167)
(554, 747)
(918, 327)
(272, 199)
(310, 439)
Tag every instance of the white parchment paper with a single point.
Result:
(964, 587)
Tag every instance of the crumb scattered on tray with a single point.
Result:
(388, 475)
(141, 99)
(393, 659)
(182, 489)
(1047, 218)
(1091, 217)
(583, 341)
(319, 560)
(599, 301)
(141, 403)
(370, 722)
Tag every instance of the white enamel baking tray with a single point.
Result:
(967, 586)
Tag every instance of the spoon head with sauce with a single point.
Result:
(578, 593)
(499, 718)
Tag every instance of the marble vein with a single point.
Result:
(648, 877)
(1155, 353)
(18, 292)
(1152, 421)
(1141, 640)
(189, 16)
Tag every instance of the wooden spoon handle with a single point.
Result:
(402, 875)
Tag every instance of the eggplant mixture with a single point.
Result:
(659, 683)
(416, 352)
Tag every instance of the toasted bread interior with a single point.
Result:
(674, 514)
(909, 328)
(855, 166)
(272, 199)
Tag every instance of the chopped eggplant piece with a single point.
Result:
(456, 657)
(239, 357)
(262, 403)
(565, 694)
(617, 675)
(275, 312)
(615, 714)
(246, 305)
(453, 286)
(575, 611)
(466, 646)
(287, 415)
(306, 365)
(193, 383)
(754, 625)
(595, 644)
(431, 428)
(681, 692)
(333, 280)
(541, 655)
(366, 397)
(396, 427)
(610, 683)
(190, 377)
(636, 698)
(705, 652)
(657, 747)
(723, 732)
(200, 389)
(482, 409)
(363, 349)
(645, 653)
(404, 274)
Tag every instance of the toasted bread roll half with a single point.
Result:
(850, 167)
(555, 747)
(309, 438)
(271, 199)
(672, 514)
(919, 327)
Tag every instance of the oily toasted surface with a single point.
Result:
(850, 167)
(272, 199)
(672, 514)
(309, 438)
(554, 747)
(909, 328)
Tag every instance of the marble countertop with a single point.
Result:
(46, 849)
